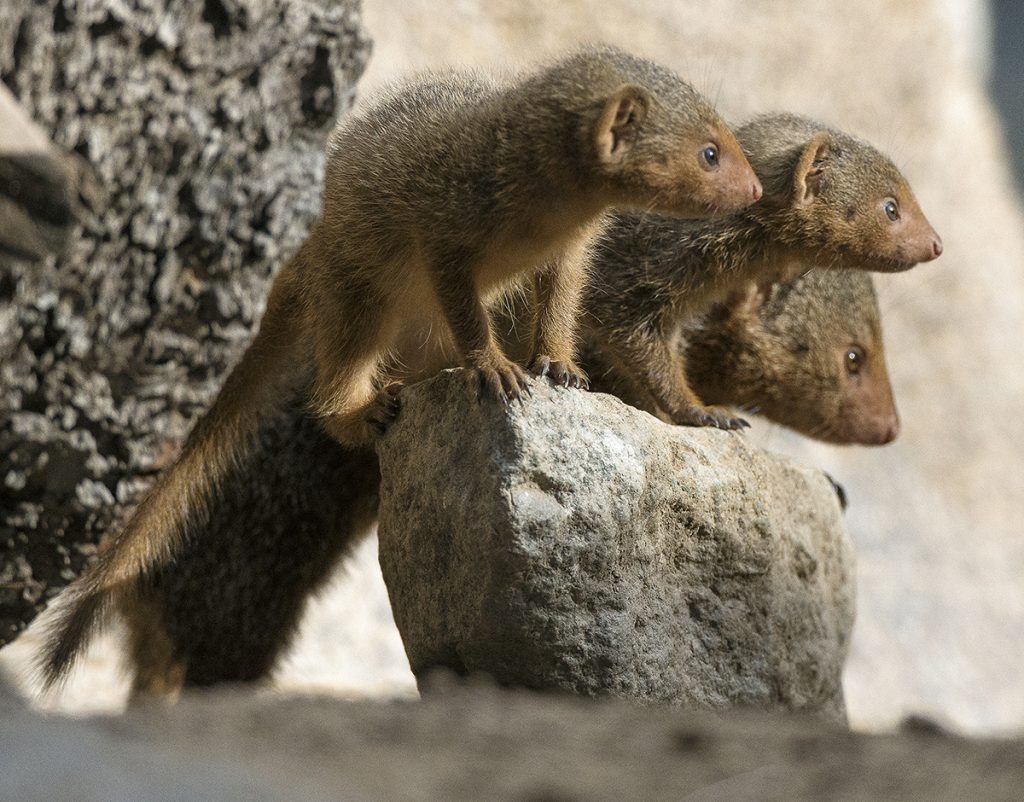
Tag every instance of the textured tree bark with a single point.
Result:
(205, 124)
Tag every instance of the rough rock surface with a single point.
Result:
(205, 123)
(575, 543)
(481, 743)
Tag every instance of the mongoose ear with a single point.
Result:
(619, 125)
(811, 169)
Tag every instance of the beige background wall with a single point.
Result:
(937, 517)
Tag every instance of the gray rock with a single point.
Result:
(481, 743)
(205, 124)
(575, 543)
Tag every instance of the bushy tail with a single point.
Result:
(178, 502)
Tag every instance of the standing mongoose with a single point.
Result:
(443, 196)
(229, 605)
(830, 200)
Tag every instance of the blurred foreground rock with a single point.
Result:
(39, 187)
(481, 743)
(575, 543)
(206, 124)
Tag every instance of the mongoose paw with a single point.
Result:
(709, 416)
(502, 380)
(563, 372)
(384, 410)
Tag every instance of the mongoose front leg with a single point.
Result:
(489, 371)
(661, 370)
(558, 291)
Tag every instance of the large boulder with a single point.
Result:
(575, 543)
(206, 125)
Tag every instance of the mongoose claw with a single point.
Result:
(504, 381)
(716, 417)
(384, 410)
(565, 373)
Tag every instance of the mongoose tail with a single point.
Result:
(178, 502)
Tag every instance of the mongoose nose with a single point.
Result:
(937, 247)
(891, 431)
(757, 191)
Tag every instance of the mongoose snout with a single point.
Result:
(866, 411)
(918, 241)
(738, 185)
(728, 183)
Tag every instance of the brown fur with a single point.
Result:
(807, 354)
(436, 201)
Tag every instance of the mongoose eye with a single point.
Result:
(854, 359)
(709, 157)
(892, 211)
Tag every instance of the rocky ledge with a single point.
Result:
(481, 743)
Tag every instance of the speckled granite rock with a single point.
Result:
(578, 544)
(205, 123)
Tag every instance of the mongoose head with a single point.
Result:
(652, 142)
(807, 354)
(837, 195)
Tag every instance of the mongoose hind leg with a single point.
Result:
(159, 672)
(384, 409)
(349, 356)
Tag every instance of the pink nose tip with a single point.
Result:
(757, 191)
(891, 431)
(937, 248)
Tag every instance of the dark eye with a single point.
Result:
(854, 359)
(892, 211)
(709, 157)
